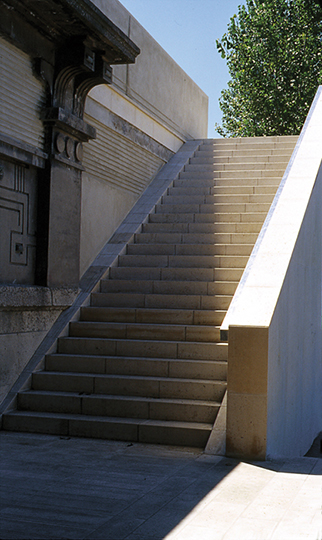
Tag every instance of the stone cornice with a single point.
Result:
(63, 20)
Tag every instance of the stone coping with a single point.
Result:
(257, 294)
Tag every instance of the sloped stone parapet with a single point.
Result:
(274, 321)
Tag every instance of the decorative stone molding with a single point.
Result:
(72, 44)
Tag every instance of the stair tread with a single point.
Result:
(120, 397)
(48, 373)
(183, 360)
(113, 419)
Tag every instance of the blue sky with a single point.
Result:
(187, 30)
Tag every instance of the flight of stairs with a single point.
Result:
(145, 362)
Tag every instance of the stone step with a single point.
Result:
(186, 237)
(161, 301)
(228, 175)
(189, 249)
(211, 317)
(129, 385)
(168, 287)
(208, 217)
(202, 228)
(234, 181)
(223, 190)
(162, 332)
(216, 199)
(207, 208)
(144, 348)
(183, 261)
(236, 156)
(156, 367)
(127, 429)
(252, 144)
(238, 167)
(167, 274)
(181, 410)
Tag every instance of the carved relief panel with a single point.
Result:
(18, 214)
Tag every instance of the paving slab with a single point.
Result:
(72, 488)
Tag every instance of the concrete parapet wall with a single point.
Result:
(155, 84)
(274, 406)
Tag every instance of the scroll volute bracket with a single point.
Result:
(79, 66)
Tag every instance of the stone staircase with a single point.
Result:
(145, 362)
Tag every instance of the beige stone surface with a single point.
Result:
(246, 425)
(248, 360)
(111, 205)
(16, 350)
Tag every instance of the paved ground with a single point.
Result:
(63, 488)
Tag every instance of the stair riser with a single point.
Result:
(150, 367)
(166, 301)
(182, 261)
(205, 228)
(227, 175)
(239, 158)
(224, 191)
(118, 430)
(149, 388)
(190, 249)
(251, 217)
(211, 208)
(196, 238)
(236, 167)
(136, 331)
(216, 199)
(147, 349)
(118, 407)
(153, 316)
(233, 181)
(168, 287)
(167, 274)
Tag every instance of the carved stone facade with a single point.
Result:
(71, 46)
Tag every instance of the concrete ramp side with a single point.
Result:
(274, 405)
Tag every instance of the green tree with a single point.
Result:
(273, 50)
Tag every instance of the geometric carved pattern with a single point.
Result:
(17, 218)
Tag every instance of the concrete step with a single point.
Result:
(157, 367)
(181, 410)
(143, 348)
(146, 238)
(189, 249)
(127, 429)
(162, 332)
(234, 165)
(202, 228)
(161, 301)
(155, 316)
(216, 199)
(235, 156)
(223, 190)
(183, 261)
(208, 218)
(233, 181)
(168, 287)
(177, 274)
(129, 385)
(228, 175)
(207, 208)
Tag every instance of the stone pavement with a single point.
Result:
(68, 488)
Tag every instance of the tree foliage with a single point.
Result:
(273, 50)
